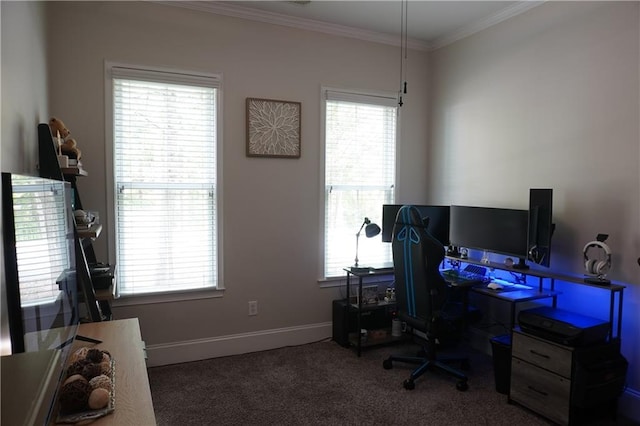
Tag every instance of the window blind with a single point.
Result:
(165, 180)
(360, 146)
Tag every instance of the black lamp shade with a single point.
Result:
(371, 230)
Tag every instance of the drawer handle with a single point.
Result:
(537, 391)
(539, 354)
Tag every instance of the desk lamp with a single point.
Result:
(370, 231)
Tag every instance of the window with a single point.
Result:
(359, 175)
(165, 180)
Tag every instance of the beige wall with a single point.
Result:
(550, 99)
(24, 84)
(271, 207)
(24, 94)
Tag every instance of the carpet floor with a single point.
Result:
(325, 384)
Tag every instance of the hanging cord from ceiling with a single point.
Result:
(403, 49)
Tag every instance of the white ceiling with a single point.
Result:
(430, 24)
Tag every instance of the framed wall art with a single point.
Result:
(273, 128)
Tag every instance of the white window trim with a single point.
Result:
(338, 281)
(108, 217)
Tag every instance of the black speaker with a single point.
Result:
(540, 226)
(345, 320)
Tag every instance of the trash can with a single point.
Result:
(501, 348)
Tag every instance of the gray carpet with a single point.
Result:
(325, 384)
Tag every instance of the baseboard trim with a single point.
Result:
(214, 347)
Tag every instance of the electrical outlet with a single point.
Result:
(253, 307)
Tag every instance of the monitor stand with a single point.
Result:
(87, 339)
(81, 338)
(453, 251)
(521, 265)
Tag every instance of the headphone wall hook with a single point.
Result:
(597, 269)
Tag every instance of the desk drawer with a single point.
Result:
(543, 354)
(541, 391)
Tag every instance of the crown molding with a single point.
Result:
(233, 10)
(220, 8)
(503, 15)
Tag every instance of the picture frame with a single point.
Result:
(273, 128)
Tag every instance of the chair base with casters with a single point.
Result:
(430, 363)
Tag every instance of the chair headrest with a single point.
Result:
(410, 216)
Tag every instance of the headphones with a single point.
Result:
(596, 266)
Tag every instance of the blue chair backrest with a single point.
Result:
(417, 255)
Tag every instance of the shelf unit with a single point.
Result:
(355, 339)
(98, 302)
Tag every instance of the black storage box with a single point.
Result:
(102, 275)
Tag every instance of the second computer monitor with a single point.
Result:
(438, 225)
(502, 231)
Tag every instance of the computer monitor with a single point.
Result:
(40, 280)
(438, 225)
(502, 231)
(541, 226)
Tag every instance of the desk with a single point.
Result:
(517, 296)
(512, 296)
(616, 290)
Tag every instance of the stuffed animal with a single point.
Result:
(69, 147)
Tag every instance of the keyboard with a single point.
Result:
(464, 277)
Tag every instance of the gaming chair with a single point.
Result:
(421, 294)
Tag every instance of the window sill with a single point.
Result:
(332, 282)
(342, 281)
(179, 296)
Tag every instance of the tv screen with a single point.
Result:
(39, 257)
(438, 225)
(502, 231)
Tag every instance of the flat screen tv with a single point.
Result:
(39, 260)
(437, 226)
(502, 231)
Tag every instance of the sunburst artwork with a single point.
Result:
(273, 128)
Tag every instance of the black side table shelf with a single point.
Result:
(355, 339)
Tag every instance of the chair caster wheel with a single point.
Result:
(387, 364)
(409, 384)
(462, 386)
